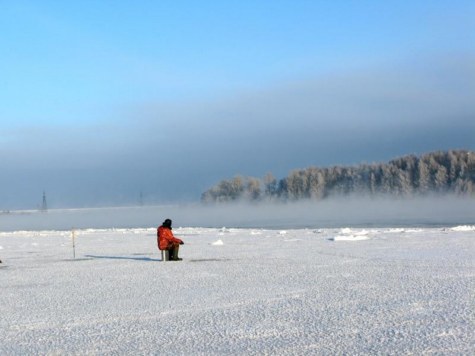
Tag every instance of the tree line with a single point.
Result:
(436, 172)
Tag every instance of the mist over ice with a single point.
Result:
(354, 211)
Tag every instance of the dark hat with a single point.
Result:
(167, 223)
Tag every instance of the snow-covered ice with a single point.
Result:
(464, 228)
(348, 234)
(348, 238)
(406, 291)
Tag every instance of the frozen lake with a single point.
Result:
(239, 291)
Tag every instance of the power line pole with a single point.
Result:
(44, 206)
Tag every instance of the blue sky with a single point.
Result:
(98, 98)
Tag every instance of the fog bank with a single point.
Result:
(356, 212)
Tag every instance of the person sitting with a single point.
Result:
(166, 240)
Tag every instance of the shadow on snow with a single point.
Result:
(125, 258)
(151, 259)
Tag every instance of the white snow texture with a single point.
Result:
(292, 292)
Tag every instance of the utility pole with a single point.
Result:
(44, 206)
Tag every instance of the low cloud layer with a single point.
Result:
(175, 152)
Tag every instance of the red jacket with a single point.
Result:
(165, 238)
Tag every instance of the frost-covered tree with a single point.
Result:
(316, 183)
(297, 185)
(270, 185)
(253, 188)
(442, 172)
(423, 177)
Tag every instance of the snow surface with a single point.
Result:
(464, 228)
(348, 234)
(295, 292)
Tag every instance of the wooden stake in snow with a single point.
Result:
(73, 234)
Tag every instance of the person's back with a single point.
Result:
(166, 240)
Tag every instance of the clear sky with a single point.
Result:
(102, 100)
